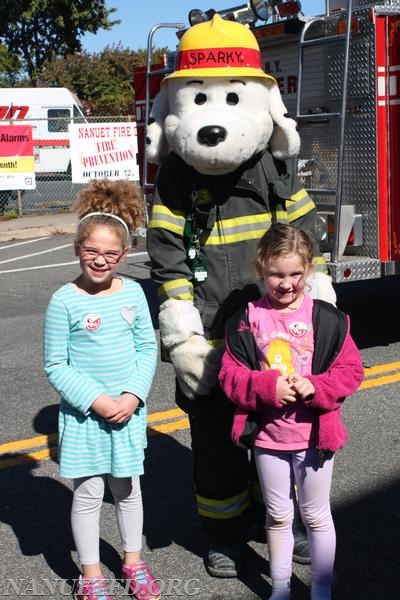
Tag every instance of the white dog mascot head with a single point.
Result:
(218, 108)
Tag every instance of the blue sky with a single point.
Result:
(138, 17)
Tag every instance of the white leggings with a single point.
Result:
(85, 514)
(277, 472)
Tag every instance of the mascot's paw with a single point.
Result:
(321, 288)
(197, 365)
(179, 320)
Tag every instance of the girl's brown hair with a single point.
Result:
(121, 198)
(281, 240)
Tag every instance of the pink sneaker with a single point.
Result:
(142, 584)
(91, 589)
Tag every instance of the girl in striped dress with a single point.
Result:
(100, 355)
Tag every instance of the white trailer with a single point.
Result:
(49, 111)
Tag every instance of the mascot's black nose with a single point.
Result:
(211, 135)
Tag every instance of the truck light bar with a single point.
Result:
(246, 14)
(288, 8)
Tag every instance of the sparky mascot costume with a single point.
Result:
(228, 168)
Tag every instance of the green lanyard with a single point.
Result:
(197, 261)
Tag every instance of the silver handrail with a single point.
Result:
(303, 43)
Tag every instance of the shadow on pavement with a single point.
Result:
(169, 497)
(368, 546)
(37, 509)
(373, 308)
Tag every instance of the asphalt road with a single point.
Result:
(38, 557)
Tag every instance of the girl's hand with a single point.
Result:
(105, 406)
(302, 386)
(284, 390)
(126, 405)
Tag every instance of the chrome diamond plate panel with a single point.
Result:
(356, 269)
(320, 144)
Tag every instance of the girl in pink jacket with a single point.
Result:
(289, 364)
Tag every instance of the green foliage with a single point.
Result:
(40, 45)
(102, 81)
(37, 31)
(9, 67)
(10, 214)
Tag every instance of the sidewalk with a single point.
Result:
(37, 226)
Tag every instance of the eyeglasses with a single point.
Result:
(110, 257)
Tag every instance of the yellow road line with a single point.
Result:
(164, 415)
(20, 459)
(378, 381)
(166, 421)
(394, 366)
(28, 443)
(169, 427)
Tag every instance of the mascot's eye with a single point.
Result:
(200, 99)
(232, 99)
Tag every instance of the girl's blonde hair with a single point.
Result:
(121, 198)
(281, 240)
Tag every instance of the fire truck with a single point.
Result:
(339, 76)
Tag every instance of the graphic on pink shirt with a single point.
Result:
(285, 340)
(278, 356)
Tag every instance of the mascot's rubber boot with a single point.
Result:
(224, 559)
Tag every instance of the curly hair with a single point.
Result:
(121, 198)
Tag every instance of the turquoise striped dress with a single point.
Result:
(99, 345)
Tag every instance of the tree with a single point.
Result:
(42, 30)
(102, 81)
(9, 67)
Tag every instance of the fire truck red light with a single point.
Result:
(347, 273)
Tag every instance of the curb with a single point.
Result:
(36, 232)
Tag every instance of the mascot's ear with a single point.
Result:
(156, 142)
(285, 141)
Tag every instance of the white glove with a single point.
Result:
(319, 287)
(178, 320)
(197, 364)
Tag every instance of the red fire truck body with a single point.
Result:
(339, 76)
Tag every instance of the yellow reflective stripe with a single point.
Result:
(319, 263)
(180, 289)
(281, 216)
(299, 207)
(218, 343)
(239, 229)
(223, 509)
(299, 195)
(161, 216)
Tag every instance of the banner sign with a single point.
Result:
(17, 164)
(103, 151)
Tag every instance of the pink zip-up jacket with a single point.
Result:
(251, 389)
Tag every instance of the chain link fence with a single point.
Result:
(54, 191)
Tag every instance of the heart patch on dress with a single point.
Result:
(128, 313)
